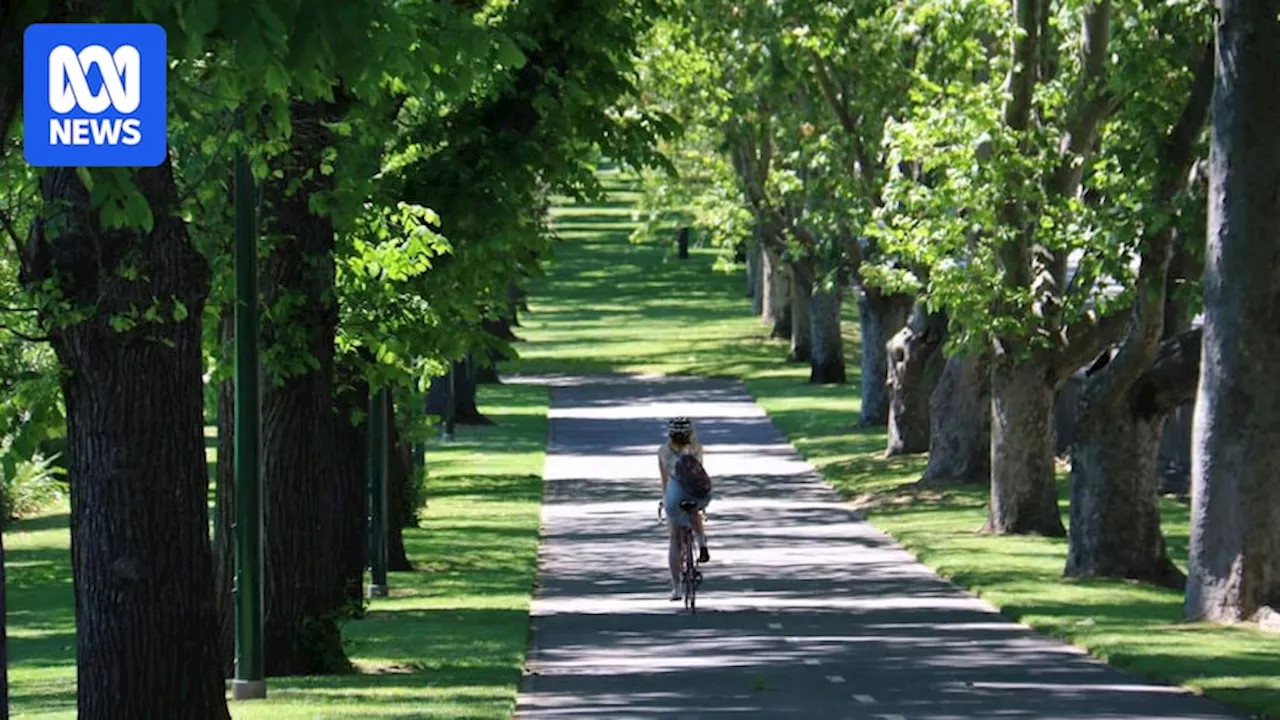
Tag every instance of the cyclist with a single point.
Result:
(682, 441)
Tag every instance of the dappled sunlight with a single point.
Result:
(804, 607)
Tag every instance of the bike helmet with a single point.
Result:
(679, 427)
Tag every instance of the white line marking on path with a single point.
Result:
(835, 679)
(891, 717)
(864, 699)
(812, 661)
(775, 626)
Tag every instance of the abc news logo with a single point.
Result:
(94, 95)
(69, 89)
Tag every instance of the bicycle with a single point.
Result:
(690, 574)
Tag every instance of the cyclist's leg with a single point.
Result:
(674, 557)
(698, 521)
(675, 519)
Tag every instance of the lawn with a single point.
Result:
(450, 640)
(607, 305)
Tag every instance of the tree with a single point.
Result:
(1235, 537)
(303, 597)
(916, 363)
(1123, 402)
(960, 423)
(128, 333)
(986, 196)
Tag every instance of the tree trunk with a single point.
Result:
(146, 626)
(1024, 494)
(399, 472)
(351, 450)
(1235, 509)
(4, 628)
(304, 594)
(466, 412)
(515, 303)
(682, 243)
(960, 424)
(1175, 444)
(1115, 500)
(753, 272)
(1174, 465)
(880, 317)
(1065, 409)
(777, 294)
(827, 363)
(1115, 516)
(487, 371)
(224, 547)
(801, 322)
(915, 365)
(758, 273)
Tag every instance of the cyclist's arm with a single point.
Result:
(662, 472)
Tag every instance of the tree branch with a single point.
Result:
(1014, 256)
(1146, 318)
(1082, 341)
(1089, 107)
(24, 336)
(839, 105)
(1173, 377)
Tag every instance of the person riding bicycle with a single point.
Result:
(683, 478)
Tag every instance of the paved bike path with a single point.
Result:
(805, 611)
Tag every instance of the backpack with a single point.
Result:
(692, 477)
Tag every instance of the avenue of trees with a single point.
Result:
(403, 153)
(1033, 205)
(1030, 203)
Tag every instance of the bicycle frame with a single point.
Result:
(690, 575)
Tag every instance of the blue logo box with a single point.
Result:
(94, 95)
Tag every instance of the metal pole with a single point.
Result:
(249, 682)
(378, 493)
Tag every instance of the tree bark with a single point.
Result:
(1115, 509)
(960, 424)
(880, 317)
(1024, 493)
(777, 294)
(224, 549)
(1174, 466)
(466, 412)
(516, 295)
(146, 626)
(351, 450)
(303, 589)
(801, 319)
(915, 365)
(487, 370)
(826, 365)
(399, 473)
(4, 627)
(753, 273)
(1235, 508)
(759, 271)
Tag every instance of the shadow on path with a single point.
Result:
(805, 610)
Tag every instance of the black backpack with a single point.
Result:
(693, 477)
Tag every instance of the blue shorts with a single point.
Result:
(671, 503)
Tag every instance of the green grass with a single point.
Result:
(448, 643)
(609, 306)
